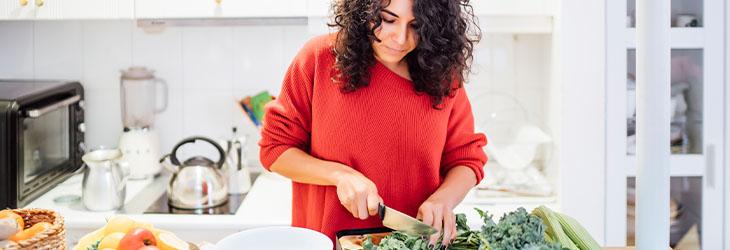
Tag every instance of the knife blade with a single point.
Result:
(397, 220)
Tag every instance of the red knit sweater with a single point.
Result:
(386, 131)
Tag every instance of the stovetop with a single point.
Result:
(160, 206)
(154, 201)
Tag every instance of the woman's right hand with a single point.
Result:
(358, 194)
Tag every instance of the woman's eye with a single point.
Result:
(388, 21)
(415, 25)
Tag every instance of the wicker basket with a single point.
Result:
(53, 238)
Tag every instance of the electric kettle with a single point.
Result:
(196, 183)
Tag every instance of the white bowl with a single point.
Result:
(276, 238)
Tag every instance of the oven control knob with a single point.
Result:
(82, 127)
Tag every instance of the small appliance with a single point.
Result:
(140, 144)
(41, 137)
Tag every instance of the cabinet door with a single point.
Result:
(696, 128)
(318, 8)
(94, 9)
(16, 9)
(513, 7)
(49, 9)
(219, 8)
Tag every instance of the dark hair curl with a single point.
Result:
(447, 31)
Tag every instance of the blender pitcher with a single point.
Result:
(139, 97)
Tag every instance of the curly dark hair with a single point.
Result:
(447, 31)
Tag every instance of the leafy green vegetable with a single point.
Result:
(517, 230)
(94, 246)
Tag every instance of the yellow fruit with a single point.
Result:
(108, 249)
(89, 239)
(168, 241)
(11, 214)
(111, 241)
(119, 224)
(145, 225)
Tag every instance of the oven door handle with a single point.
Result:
(35, 113)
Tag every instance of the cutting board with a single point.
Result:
(623, 248)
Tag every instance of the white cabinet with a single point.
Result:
(17, 9)
(219, 8)
(94, 9)
(66, 9)
(697, 125)
(559, 81)
(514, 7)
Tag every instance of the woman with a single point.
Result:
(377, 113)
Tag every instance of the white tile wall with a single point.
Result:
(16, 52)
(58, 49)
(207, 68)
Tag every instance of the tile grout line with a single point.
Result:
(182, 78)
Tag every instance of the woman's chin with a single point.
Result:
(390, 59)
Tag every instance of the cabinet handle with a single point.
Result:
(39, 3)
(710, 166)
(23, 2)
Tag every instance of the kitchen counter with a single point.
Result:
(260, 208)
(268, 203)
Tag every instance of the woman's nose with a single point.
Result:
(400, 35)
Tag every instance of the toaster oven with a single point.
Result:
(41, 137)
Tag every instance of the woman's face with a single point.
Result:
(397, 34)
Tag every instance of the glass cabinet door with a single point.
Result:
(696, 107)
(686, 102)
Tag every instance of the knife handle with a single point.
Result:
(381, 211)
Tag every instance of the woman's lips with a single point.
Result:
(393, 50)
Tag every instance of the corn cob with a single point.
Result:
(554, 231)
(577, 233)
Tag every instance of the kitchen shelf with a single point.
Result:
(680, 165)
(478, 197)
(681, 38)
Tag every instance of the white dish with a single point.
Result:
(276, 238)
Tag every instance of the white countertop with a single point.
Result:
(268, 203)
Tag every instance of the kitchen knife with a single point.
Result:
(396, 220)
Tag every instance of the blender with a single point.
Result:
(139, 143)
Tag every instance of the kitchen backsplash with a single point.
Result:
(208, 68)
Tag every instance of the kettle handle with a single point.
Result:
(221, 159)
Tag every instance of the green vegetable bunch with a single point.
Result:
(515, 231)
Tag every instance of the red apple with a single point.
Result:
(136, 239)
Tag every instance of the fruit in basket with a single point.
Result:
(119, 224)
(111, 241)
(8, 227)
(136, 239)
(168, 241)
(30, 232)
(149, 248)
(10, 214)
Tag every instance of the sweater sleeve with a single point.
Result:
(287, 120)
(463, 146)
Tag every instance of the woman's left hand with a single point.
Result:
(438, 213)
